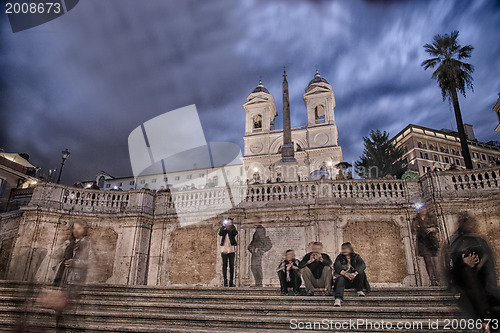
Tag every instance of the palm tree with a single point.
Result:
(452, 74)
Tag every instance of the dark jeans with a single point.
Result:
(294, 283)
(228, 257)
(342, 283)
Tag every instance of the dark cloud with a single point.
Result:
(87, 79)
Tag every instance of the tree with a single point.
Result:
(380, 157)
(452, 75)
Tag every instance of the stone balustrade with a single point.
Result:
(355, 191)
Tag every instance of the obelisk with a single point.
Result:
(288, 162)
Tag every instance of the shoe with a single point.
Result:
(310, 293)
(338, 302)
(231, 284)
(361, 293)
(296, 293)
(284, 293)
(225, 283)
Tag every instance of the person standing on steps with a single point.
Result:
(427, 241)
(316, 269)
(228, 245)
(349, 273)
(289, 274)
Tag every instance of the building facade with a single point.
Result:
(16, 173)
(496, 108)
(429, 149)
(316, 144)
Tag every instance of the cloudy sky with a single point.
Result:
(85, 80)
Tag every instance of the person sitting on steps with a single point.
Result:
(289, 274)
(349, 273)
(316, 270)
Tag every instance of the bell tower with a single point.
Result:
(320, 104)
(260, 111)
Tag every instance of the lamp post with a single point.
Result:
(64, 156)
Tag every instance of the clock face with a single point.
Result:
(256, 147)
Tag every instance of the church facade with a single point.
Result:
(315, 145)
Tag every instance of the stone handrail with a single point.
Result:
(469, 183)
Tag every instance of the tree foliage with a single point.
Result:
(380, 157)
(451, 73)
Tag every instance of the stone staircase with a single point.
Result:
(111, 308)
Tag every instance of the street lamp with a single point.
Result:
(64, 156)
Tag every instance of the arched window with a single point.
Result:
(319, 113)
(299, 148)
(257, 122)
(100, 182)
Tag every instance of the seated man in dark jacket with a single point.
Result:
(288, 273)
(349, 273)
(316, 269)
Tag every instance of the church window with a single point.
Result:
(216, 180)
(257, 122)
(319, 113)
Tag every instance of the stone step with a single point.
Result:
(126, 290)
(350, 300)
(113, 322)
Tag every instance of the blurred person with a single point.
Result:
(289, 274)
(316, 270)
(71, 273)
(471, 272)
(228, 245)
(427, 241)
(73, 267)
(349, 272)
(260, 244)
(340, 175)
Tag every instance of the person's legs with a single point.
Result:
(308, 279)
(357, 283)
(283, 283)
(326, 279)
(256, 267)
(225, 259)
(296, 280)
(231, 269)
(429, 265)
(340, 283)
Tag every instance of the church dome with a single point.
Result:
(260, 88)
(317, 79)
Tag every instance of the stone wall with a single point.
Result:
(140, 237)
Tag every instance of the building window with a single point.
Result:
(424, 155)
(177, 177)
(457, 161)
(119, 184)
(447, 159)
(108, 185)
(100, 182)
(436, 158)
(201, 175)
(483, 157)
(132, 182)
(257, 122)
(216, 181)
(143, 181)
(319, 113)
(165, 179)
(421, 145)
(153, 180)
(479, 166)
(189, 176)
